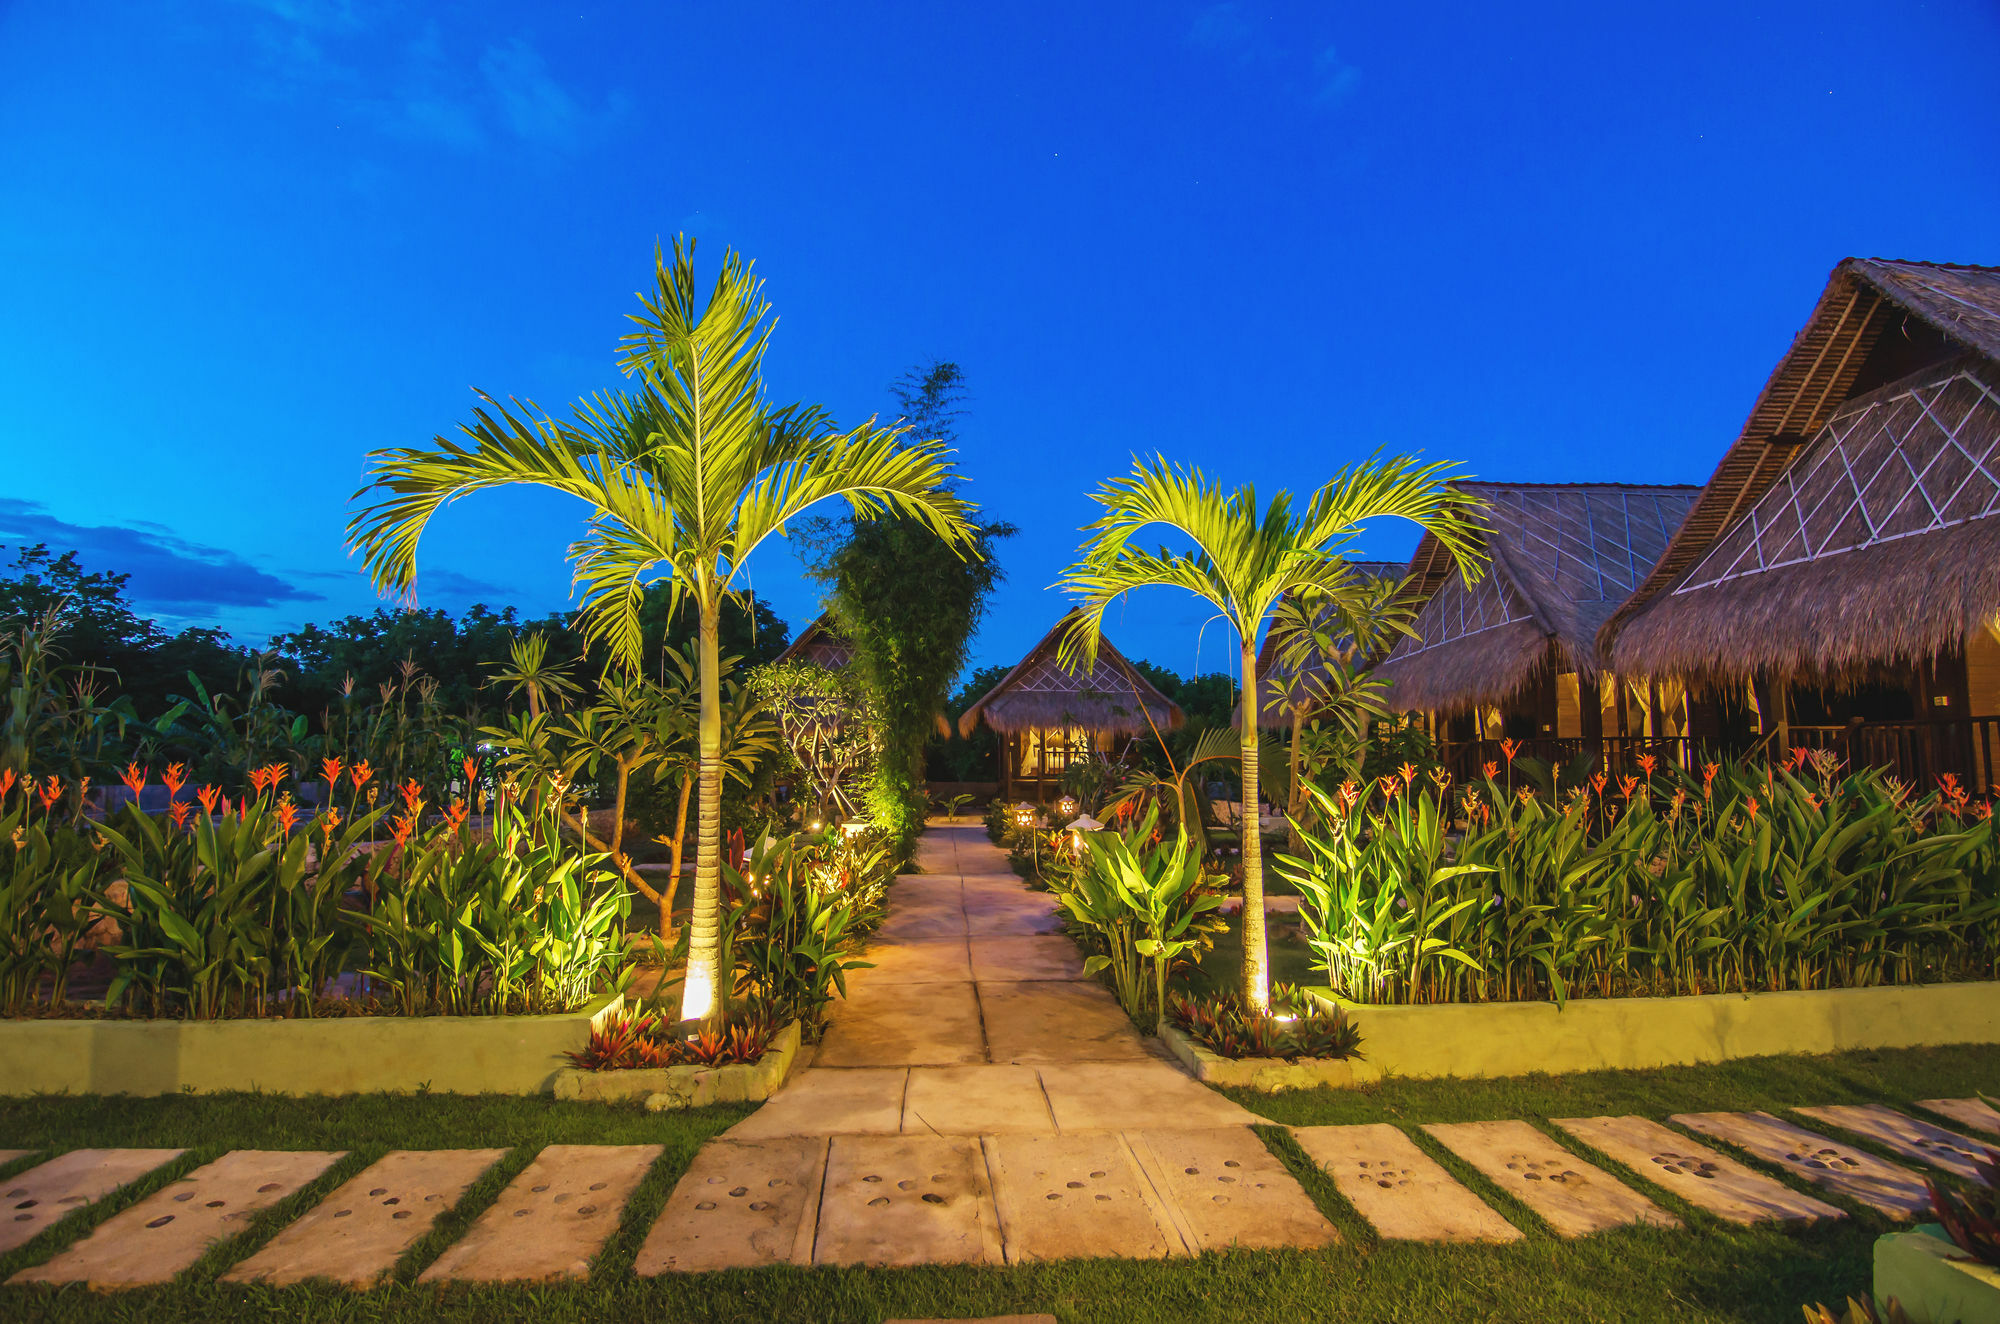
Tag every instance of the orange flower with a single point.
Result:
(328, 822)
(208, 795)
(134, 777)
(1390, 787)
(1525, 794)
(360, 773)
(1751, 805)
(179, 811)
(331, 768)
(174, 778)
(1599, 781)
(1627, 785)
(1647, 763)
(1349, 796)
(51, 792)
(1509, 747)
(6, 782)
(267, 777)
(1798, 758)
(1489, 770)
(471, 766)
(287, 815)
(1408, 772)
(401, 829)
(413, 796)
(455, 815)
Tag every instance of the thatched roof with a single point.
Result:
(1279, 691)
(821, 644)
(1563, 556)
(1877, 322)
(1039, 694)
(1876, 543)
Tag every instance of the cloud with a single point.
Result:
(1334, 79)
(168, 572)
(1228, 30)
(470, 588)
(399, 72)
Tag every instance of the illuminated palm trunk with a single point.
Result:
(701, 993)
(1256, 967)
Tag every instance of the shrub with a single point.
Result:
(1750, 878)
(629, 1040)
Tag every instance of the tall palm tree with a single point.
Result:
(685, 474)
(1243, 562)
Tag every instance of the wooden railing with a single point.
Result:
(1920, 752)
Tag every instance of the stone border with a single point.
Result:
(666, 1088)
(1269, 1074)
(1595, 1034)
(330, 1055)
(1931, 1278)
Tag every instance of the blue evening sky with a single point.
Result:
(241, 244)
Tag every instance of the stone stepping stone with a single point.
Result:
(1974, 1113)
(49, 1192)
(1696, 1173)
(1403, 1192)
(976, 1101)
(355, 1236)
(820, 1101)
(1070, 1197)
(172, 1228)
(1907, 1136)
(551, 1220)
(1224, 1189)
(1572, 1196)
(895, 1201)
(740, 1205)
(1880, 1185)
(1014, 958)
(1132, 1096)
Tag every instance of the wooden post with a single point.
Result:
(1590, 714)
(1653, 709)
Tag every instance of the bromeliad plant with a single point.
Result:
(1146, 905)
(1298, 1025)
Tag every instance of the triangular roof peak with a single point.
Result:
(1039, 692)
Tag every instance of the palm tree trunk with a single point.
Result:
(701, 994)
(1256, 967)
(680, 839)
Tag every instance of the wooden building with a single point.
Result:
(821, 644)
(1048, 717)
(1841, 572)
(1515, 655)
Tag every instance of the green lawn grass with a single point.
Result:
(1708, 1271)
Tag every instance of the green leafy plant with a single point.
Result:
(1296, 1026)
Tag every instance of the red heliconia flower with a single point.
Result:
(1798, 758)
(208, 795)
(330, 768)
(257, 776)
(51, 792)
(1489, 770)
(413, 795)
(401, 829)
(134, 778)
(1525, 794)
(1391, 787)
(1985, 810)
(287, 815)
(455, 815)
(174, 778)
(6, 782)
(1509, 748)
(360, 773)
(1600, 781)
(1647, 763)
(179, 811)
(1627, 785)
(1408, 772)
(1751, 805)
(471, 766)
(1350, 794)
(328, 822)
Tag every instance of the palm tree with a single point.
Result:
(686, 474)
(1243, 563)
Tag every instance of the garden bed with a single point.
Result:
(1267, 1074)
(688, 1086)
(342, 1055)
(1590, 1034)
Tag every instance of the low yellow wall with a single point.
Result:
(1591, 1034)
(346, 1055)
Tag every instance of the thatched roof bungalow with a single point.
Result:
(821, 644)
(1281, 693)
(1847, 538)
(1048, 717)
(1511, 648)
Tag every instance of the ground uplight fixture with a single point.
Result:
(1066, 806)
